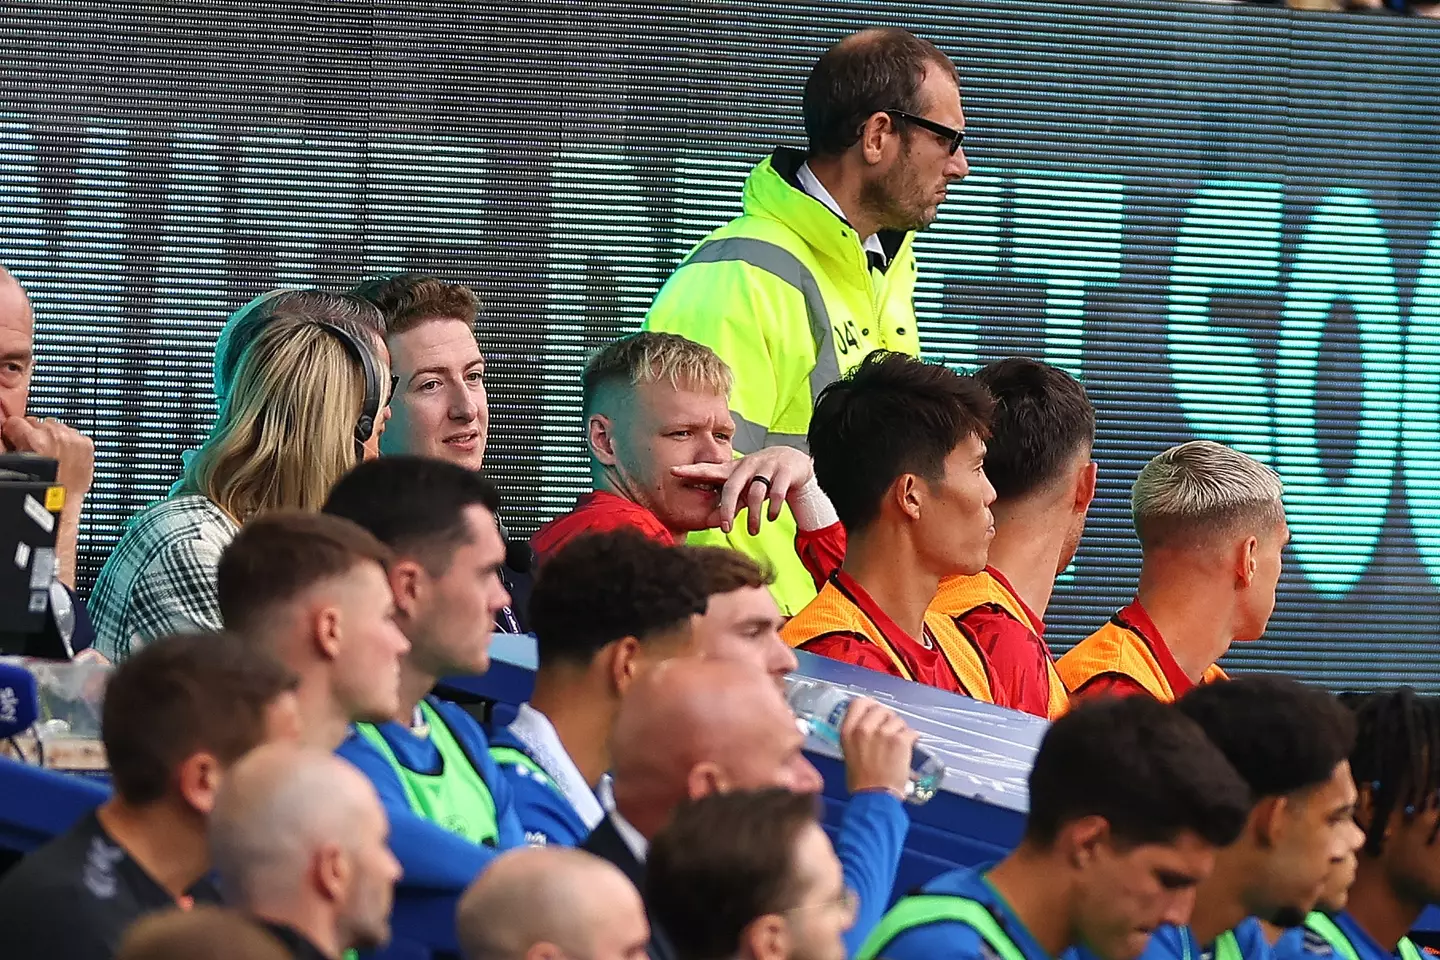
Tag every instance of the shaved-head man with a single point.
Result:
(298, 839)
(74, 452)
(703, 727)
(548, 903)
(694, 726)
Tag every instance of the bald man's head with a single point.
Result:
(298, 832)
(695, 726)
(539, 903)
(17, 346)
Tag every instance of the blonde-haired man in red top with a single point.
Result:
(1211, 524)
(662, 459)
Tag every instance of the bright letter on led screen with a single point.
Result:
(1336, 516)
(20, 216)
(1422, 410)
(961, 246)
(1067, 232)
(1229, 241)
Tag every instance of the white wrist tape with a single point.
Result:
(812, 509)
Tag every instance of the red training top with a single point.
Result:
(1019, 660)
(926, 662)
(596, 512)
(821, 551)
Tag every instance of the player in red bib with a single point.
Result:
(1212, 528)
(1038, 460)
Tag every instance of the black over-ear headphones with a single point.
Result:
(370, 409)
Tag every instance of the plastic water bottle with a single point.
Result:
(823, 706)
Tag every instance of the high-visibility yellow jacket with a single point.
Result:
(785, 295)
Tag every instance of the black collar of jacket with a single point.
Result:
(296, 943)
(787, 161)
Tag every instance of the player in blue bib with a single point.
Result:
(1128, 802)
(1291, 744)
(607, 607)
(1396, 766)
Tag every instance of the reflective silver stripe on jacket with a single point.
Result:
(784, 265)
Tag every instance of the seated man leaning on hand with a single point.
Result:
(661, 459)
(68, 626)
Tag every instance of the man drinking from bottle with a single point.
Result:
(691, 727)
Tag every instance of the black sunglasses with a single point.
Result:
(956, 137)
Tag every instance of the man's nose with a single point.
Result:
(463, 406)
(713, 450)
(1178, 907)
(959, 166)
(1354, 839)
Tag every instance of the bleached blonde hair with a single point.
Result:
(1200, 486)
(286, 432)
(656, 358)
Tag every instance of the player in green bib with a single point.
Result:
(1128, 802)
(449, 807)
(1396, 766)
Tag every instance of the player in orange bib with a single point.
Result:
(899, 447)
(1039, 462)
(1212, 527)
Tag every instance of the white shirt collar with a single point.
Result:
(638, 845)
(811, 184)
(606, 793)
(537, 733)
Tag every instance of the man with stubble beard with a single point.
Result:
(819, 270)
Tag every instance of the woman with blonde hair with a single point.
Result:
(308, 401)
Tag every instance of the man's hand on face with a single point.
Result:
(51, 438)
(774, 474)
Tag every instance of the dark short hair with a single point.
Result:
(1396, 759)
(603, 587)
(725, 570)
(1281, 735)
(279, 555)
(864, 74)
(890, 416)
(1042, 419)
(722, 862)
(413, 505)
(408, 300)
(1143, 766)
(179, 696)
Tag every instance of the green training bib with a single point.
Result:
(457, 798)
